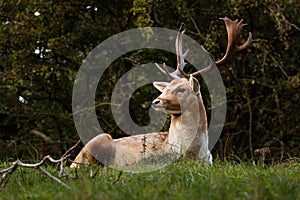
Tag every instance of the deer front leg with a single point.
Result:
(204, 153)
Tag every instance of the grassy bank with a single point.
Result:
(180, 180)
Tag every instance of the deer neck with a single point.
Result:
(188, 126)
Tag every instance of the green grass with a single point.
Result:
(180, 180)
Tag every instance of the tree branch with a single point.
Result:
(38, 166)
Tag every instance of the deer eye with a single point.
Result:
(180, 90)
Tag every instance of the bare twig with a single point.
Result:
(53, 177)
(62, 170)
(118, 178)
(71, 149)
(4, 173)
(250, 129)
(91, 172)
(144, 146)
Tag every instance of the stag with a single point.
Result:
(181, 98)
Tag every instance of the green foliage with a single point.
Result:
(180, 180)
(42, 45)
(142, 10)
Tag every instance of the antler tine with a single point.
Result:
(180, 57)
(165, 70)
(206, 69)
(233, 32)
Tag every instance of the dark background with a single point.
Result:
(40, 56)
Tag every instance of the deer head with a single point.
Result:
(175, 94)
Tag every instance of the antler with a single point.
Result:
(233, 31)
(180, 57)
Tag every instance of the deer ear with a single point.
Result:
(195, 85)
(160, 85)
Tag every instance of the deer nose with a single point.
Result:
(160, 101)
(155, 102)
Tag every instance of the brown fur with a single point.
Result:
(120, 151)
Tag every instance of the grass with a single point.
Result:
(179, 180)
